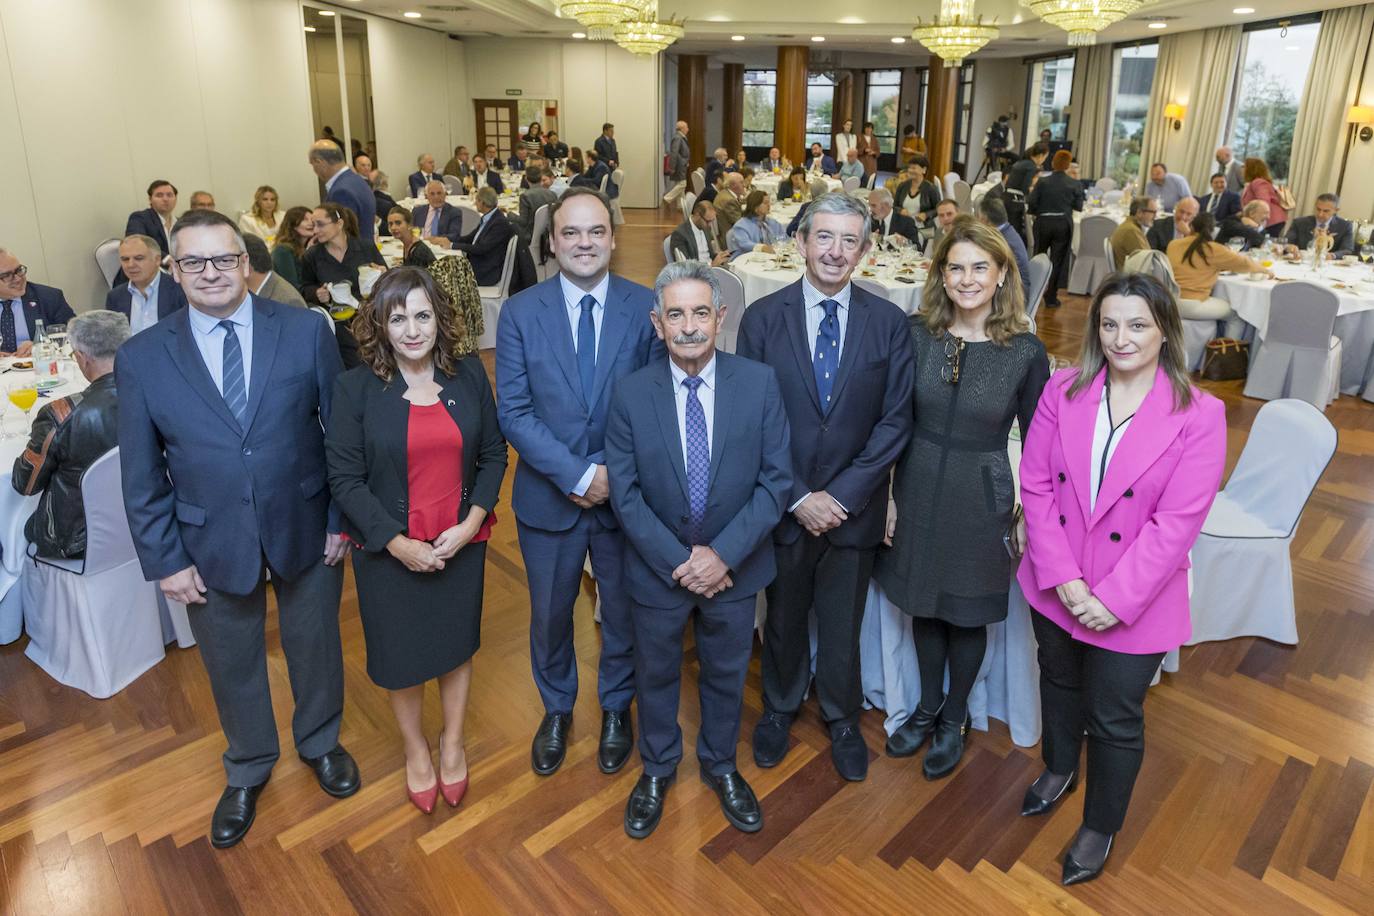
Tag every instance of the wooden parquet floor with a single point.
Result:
(1255, 795)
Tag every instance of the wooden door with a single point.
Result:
(498, 126)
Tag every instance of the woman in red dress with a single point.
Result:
(415, 463)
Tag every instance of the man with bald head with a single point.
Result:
(679, 161)
(150, 295)
(730, 203)
(438, 220)
(344, 186)
(202, 200)
(719, 162)
(1232, 168)
(1165, 231)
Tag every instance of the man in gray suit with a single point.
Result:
(679, 159)
(263, 281)
(531, 200)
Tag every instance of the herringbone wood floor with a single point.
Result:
(1254, 796)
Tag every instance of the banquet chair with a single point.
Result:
(697, 181)
(872, 180)
(1299, 355)
(1113, 198)
(454, 184)
(602, 186)
(851, 184)
(1196, 331)
(994, 177)
(963, 196)
(493, 297)
(947, 184)
(94, 624)
(470, 219)
(1109, 254)
(617, 214)
(687, 201)
(732, 297)
(324, 313)
(1039, 270)
(107, 259)
(1242, 568)
(544, 265)
(818, 187)
(1089, 269)
(667, 249)
(1106, 184)
(871, 286)
(176, 624)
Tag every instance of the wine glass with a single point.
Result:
(23, 393)
(1367, 252)
(1236, 245)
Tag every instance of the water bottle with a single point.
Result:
(39, 335)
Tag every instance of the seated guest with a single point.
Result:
(460, 165)
(344, 187)
(923, 196)
(1303, 231)
(1197, 260)
(852, 167)
(423, 175)
(755, 231)
(716, 164)
(150, 295)
(596, 170)
(485, 246)
(22, 303)
(335, 258)
(296, 233)
(886, 221)
(1167, 187)
(415, 253)
(381, 197)
(421, 535)
(820, 162)
(796, 188)
(68, 435)
(946, 212)
(555, 183)
(438, 220)
(740, 159)
(555, 148)
(747, 172)
(491, 155)
(263, 281)
(156, 221)
(202, 200)
(709, 192)
(1074, 171)
(729, 203)
(1248, 225)
(774, 161)
(539, 195)
(1165, 231)
(578, 178)
(362, 164)
(533, 139)
(1221, 203)
(698, 237)
(263, 219)
(483, 176)
(518, 160)
(993, 212)
(1130, 236)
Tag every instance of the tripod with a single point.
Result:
(991, 159)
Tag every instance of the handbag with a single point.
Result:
(1285, 196)
(1226, 359)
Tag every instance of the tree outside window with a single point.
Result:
(1272, 81)
(880, 107)
(820, 108)
(1133, 72)
(760, 100)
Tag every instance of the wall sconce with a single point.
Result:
(1173, 114)
(1364, 116)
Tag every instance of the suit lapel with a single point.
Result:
(554, 323)
(794, 317)
(615, 324)
(266, 330)
(32, 311)
(1153, 429)
(181, 345)
(853, 340)
(725, 401)
(1076, 426)
(665, 407)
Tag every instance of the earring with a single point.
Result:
(1000, 282)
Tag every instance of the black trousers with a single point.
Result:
(814, 572)
(1055, 235)
(1016, 215)
(1084, 688)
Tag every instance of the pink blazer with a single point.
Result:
(1260, 189)
(1132, 549)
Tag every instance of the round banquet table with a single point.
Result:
(509, 201)
(769, 182)
(761, 275)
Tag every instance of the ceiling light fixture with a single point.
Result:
(955, 33)
(818, 38)
(326, 12)
(310, 28)
(737, 38)
(1083, 19)
(1243, 10)
(411, 14)
(579, 35)
(898, 40)
(1157, 25)
(646, 34)
(600, 17)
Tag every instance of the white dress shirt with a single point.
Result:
(815, 313)
(572, 301)
(209, 337)
(703, 246)
(1104, 440)
(706, 394)
(143, 305)
(328, 185)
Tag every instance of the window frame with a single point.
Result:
(1108, 159)
(869, 84)
(1228, 126)
(1042, 59)
(772, 130)
(808, 137)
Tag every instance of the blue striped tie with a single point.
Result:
(232, 384)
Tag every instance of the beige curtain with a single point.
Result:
(1333, 80)
(1092, 93)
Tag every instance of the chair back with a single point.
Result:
(732, 297)
(1106, 184)
(108, 542)
(698, 181)
(1156, 264)
(1302, 315)
(454, 184)
(872, 180)
(1113, 198)
(963, 196)
(947, 184)
(1289, 447)
(818, 187)
(1109, 254)
(508, 268)
(618, 178)
(871, 286)
(604, 179)
(107, 259)
(1093, 231)
(688, 200)
(667, 249)
(995, 177)
(1039, 271)
(851, 184)
(470, 219)
(537, 233)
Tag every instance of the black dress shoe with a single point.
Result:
(550, 743)
(737, 800)
(1076, 872)
(946, 748)
(617, 737)
(336, 771)
(770, 739)
(907, 739)
(849, 752)
(234, 815)
(1033, 804)
(645, 806)
(1051, 304)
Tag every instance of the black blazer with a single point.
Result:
(147, 222)
(488, 253)
(1302, 230)
(45, 303)
(170, 297)
(684, 240)
(365, 449)
(898, 224)
(848, 450)
(1228, 205)
(1161, 234)
(1232, 228)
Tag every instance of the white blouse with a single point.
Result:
(1105, 441)
(262, 229)
(843, 144)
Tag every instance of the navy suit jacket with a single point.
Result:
(487, 253)
(542, 409)
(450, 221)
(595, 172)
(750, 478)
(170, 297)
(493, 180)
(1303, 229)
(828, 166)
(352, 191)
(849, 449)
(1229, 205)
(45, 303)
(147, 222)
(200, 489)
(418, 181)
(606, 150)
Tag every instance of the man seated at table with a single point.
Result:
(712, 188)
(554, 148)
(22, 303)
(538, 195)
(460, 166)
(1221, 203)
(422, 176)
(774, 161)
(852, 167)
(150, 295)
(598, 169)
(518, 160)
(381, 196)
(202, 200)
(946, 212)
(1165, 231)
(729, 203)
(438, 220)
(748, 174)
(886, 221)
(993, 211)
(820, 162)
(716, 164)
(68, 435)
(263, 281)
(577, 178)
(485, 246)
(1167, 187)
(698, 237)
(1247, 225)
(1302, 232)
(1130, 236)
(485, 177)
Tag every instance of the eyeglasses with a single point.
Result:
(17, 274)
(949, 372)
(221, 262)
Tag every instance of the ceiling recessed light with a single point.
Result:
(1243, 10)
(1291, 48)
(818, 38)
(899, 40)
(737, 38)
(310, 28)
(411, 15)
(1158, 25)
(579, 34)
(326, 12)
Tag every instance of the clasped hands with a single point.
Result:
(188, 587)
(598, 491)
(704, 573)
(1085, 606)
(819, 512)
(429, 556)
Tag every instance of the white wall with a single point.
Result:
(410, 84)
(624, 89)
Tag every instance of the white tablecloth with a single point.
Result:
(769, 182)
(760, 278)
(509, 202)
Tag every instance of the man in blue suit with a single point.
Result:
(22, 303)
(344, 186)
(820, 161)
(156, 221)
(221, 407)
(151, 294)
(423, 175)
(438, 220)
(698, 453)
(1221, 203)
(560, 347)
(845, 364)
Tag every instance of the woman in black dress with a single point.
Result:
(335, 258)
(415, 462)
(415, 252)
(978, 368)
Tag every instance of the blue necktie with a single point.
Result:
(232, 383)
(827, 358)
(586, 347)
(698, 456)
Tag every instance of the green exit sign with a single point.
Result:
(514, 91)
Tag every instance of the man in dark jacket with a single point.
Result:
(485, 246)
(23, 303)
(68, 435)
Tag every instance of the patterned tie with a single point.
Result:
(698, 456)
(7, 343)
(233, 386)
(827, 359)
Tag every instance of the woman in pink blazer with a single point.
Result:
(1259, 185)
(1119, 469)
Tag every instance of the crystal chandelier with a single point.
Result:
(1083, 19)
(600, 17)
(955, 33)
(646, 34)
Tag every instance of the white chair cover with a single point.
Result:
(732, 297)
(1113, 198)
(470, 219)
(667, 249)
(1109, 254)
(688, 200)
(947, 183)
(1242, 570)
(851, 184)
(1089, 267)
(324, 313)
(1298, 356)
(94, 624)
(1196, 331)
(107, 259)
(454, 184)
(176, 624)
(1106, 184)
(870, 286)
(617, 214)
(698, 181)
(872, 180)
(543, 267)
(1039, 270)
(963, 196)
(493, 297)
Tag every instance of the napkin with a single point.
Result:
(367, 278)
(342, 294)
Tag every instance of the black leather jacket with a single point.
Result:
(68, 436)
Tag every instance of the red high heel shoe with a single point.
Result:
(453, 792)
(426, 799)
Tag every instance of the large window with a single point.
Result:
(1273, 75)
(882, 96)
(1047, 95)
(760, 99)
(963, 119)
(1133, 72)
(922, 94)
(820, 108)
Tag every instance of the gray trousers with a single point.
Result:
(230, 632)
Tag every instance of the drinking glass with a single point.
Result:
(23, 393)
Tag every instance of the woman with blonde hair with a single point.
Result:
(264, 218)
(978, 368)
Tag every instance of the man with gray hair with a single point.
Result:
(151, 294)
(423, 175)
(888, 222)
(485, 245)
(844, 361)
(68, 435)
(344, 186)
(679, 161)
(1304, 230)
(697, 510)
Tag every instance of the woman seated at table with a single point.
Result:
(296, 233)
(796, 187)
(1197, 261)
(263, 219)
(416, 252)
(335, 258)
(1259, 185)
(755, 231)
(1118, 471)
(1247, 225)
(415, 462)
(914, 195)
